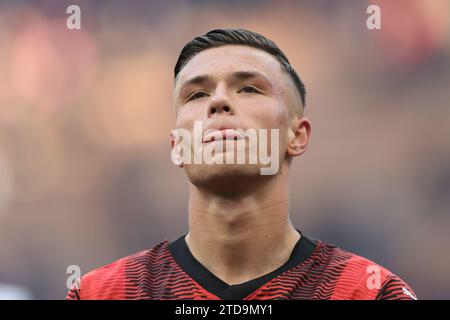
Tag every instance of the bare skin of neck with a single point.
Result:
(244, 237)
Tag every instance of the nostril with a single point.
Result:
(226, 109)
(213, 110)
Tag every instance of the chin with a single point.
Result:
(222, 175)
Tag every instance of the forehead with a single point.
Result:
(228, 59)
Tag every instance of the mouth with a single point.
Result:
(222, 134)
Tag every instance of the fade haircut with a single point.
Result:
(222, 37)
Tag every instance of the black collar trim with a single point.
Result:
(184, 258)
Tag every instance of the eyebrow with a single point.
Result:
(244, 75)
(195, 81)
(238, 75)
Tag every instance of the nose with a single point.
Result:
(220, 104)
(219, 108)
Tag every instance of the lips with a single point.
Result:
(222, 134)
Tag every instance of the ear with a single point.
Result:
(175, 153)
(298, 136)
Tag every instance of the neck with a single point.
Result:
(242, 237)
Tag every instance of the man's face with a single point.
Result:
(234, 87)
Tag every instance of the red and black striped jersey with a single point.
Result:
(315, 270)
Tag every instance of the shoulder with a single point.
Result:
(109, 281)
(356, 277)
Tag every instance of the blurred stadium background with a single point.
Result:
(85, 116)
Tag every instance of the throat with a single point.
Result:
(244, 257)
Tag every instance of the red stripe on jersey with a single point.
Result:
(324, 272)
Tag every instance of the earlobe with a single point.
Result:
(175, 153)
(298, 137)
(176, 159)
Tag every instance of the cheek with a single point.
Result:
(268, 114)
(187, 116)
(271, 115)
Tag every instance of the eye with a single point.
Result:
(196, 95)
(249, 89)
